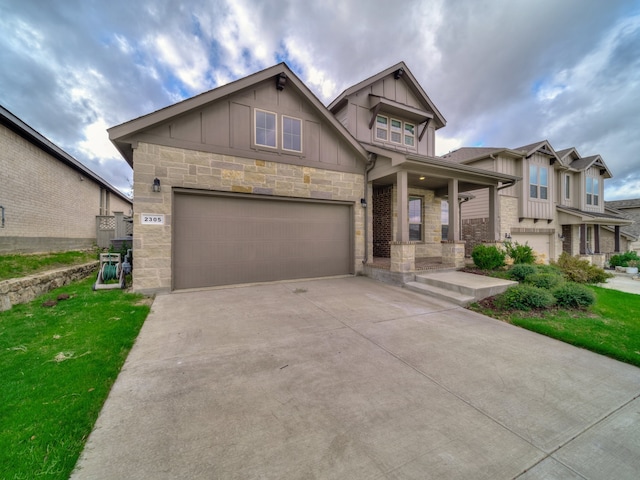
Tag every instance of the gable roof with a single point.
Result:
(592, 161)
(406, 76)
(622, 204)
(470, 154)
(119, 133)
(16, 125)
(542, 146)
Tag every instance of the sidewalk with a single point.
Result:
(623, 282)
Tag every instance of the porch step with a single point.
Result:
(461, 288)
(440, 293)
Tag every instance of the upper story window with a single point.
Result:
(538, 182)
(409, 134)
(593, 191)
(395, 131)
(567, 187)
(382, 128)
(291, 134)
(266, 132)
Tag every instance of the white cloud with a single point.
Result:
(445, 145)
(96, 143)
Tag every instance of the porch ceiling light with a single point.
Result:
(422, 177)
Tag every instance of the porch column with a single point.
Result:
(454, 212)
(402, 227)
(596, 239)
(583, 239)
(494, 225)
(616, 237)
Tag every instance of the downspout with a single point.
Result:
(2, 224)
(370, 164)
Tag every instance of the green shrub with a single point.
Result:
(553, 269)
(623, 259)
(521, 271)
(574, 295)
(544, 280)
(488, 257)
(525, 297)
(520, 253)
(577, 270)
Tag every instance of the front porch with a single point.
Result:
(422, 264)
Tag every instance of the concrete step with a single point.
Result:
(465, 284)
(440, 293)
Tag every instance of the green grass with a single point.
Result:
(611, 327)
(57, 366)
(14, 266)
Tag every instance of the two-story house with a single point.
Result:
(558, 207)
(257, 180)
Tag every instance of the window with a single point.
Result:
(415, 218)
(291, 134)
(567, 187)
(382, 127)
(265, 128)
(593, 191)
(396, 131)
(409, 134)
(538, 182)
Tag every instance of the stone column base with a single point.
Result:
(453, 253)
(403, 257)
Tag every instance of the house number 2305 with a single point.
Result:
(150, 219)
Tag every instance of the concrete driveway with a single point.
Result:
(348, 378)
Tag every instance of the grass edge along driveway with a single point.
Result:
(57, 365)
(610, 327)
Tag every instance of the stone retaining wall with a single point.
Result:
(25, 289)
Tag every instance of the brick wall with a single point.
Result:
(382, 234)
(474, 232)
(209, 171)
(48, 205)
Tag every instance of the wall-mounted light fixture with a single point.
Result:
(156, 185)
(281, 81)
(363, 202)
(507, 236)
(561, 237)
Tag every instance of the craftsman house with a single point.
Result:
(558, 207)
(257, 180)
(49, 201)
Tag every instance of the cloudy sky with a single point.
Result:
(504, 73)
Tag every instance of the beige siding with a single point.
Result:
(48, 205)
(594, 172)
(536, 207)
(477, 207)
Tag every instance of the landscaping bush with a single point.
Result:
(488, 257)
(574, 295)
(544, 280)
(521, 271)
(520, 253)
(548, 269)
(525, 297)
(623, 259)
(577, 270)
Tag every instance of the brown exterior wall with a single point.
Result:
(474, 232)
(48, 205)
(382, 233)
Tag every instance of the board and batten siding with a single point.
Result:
(536, 207)
(226, 127)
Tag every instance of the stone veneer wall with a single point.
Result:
(431, 218)
(25, 289)
(209, 171)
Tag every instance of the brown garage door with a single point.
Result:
(224, 240)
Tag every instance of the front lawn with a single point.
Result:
(610, 327)
(14, 266)
(57, 365)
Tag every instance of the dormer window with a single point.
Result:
(593, 191)
(382, 128)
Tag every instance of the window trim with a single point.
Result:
(592, 191)
(283, 133)
(255, 128)
(538, 186)
(385, 129)
(399, 131)
(567, 186)
(412, 136)
(421, 223)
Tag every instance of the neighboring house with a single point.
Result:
(257, 180)
(558, 207)
(629, 209)
(48, 200)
